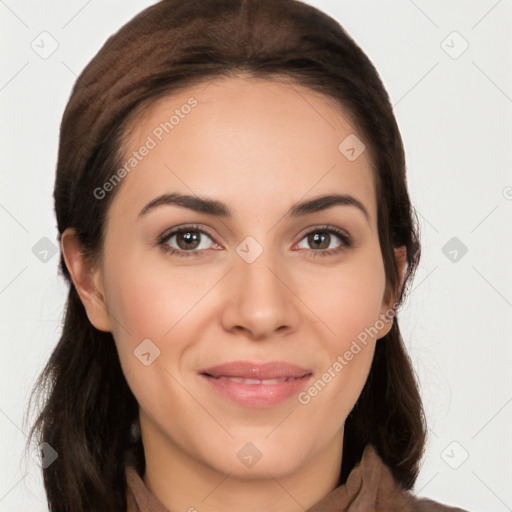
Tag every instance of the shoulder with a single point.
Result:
(389, 495)
(426, 505)
(390, 490)
(372, 487)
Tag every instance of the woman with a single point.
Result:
(236, 229)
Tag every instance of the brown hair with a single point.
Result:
(88, 408)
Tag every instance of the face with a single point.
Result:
(183, 290)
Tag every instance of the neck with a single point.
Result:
(182, 482)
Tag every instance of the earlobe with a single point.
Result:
(87, 280)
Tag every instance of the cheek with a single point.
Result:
(349, 303)
(348, 300)
(348, 357)
(149, 302)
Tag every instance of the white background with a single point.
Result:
(455, 117)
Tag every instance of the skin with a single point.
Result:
(260, 147)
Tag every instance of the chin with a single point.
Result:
(252, 460)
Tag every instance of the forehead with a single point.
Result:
(247, 142)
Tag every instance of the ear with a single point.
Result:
(86, 279)
(401, 263)
(387, 311)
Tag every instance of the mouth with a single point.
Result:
(256, 385)
(253, 382)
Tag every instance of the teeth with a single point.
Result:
(255, 381)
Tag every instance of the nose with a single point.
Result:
(261, 301)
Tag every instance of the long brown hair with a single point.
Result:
(88, 410)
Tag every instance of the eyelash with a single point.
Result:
(346, 239)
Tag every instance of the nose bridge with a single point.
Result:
(261, 302)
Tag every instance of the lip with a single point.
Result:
(250, 370)
(228, 380)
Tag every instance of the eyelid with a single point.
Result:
(324, 227)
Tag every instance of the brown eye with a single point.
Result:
(187, 241)
(320, 240)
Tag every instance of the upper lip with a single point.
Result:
(248, 370)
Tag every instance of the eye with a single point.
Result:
(189, 241)
(322, 237)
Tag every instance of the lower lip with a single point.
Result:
(257, 395)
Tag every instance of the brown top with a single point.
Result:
(370, 487)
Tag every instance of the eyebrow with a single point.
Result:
(219, 209)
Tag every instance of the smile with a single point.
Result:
(266, 382)
(256, 385)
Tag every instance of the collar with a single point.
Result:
(370, 487)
